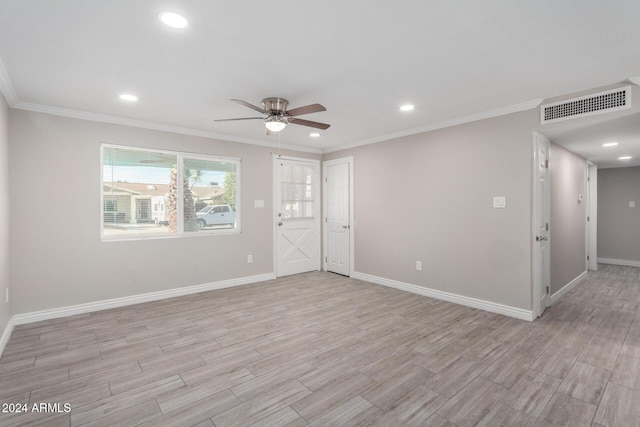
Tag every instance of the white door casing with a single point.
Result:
(592, 215)
(296, 216)
(338, 215)
(541, 226)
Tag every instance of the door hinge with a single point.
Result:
(326, 219)
(588, 219)
(547, 290)
(587, 257)
(325, 259)
(546, 164)
(326, 178)
(546, 226)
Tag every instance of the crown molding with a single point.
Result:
(9, 92)
(104, 118)
(6, 86)
(502, 111)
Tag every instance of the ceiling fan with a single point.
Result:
(277, 115)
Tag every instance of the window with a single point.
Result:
(297, 192)
(111, 206)
(152, 193)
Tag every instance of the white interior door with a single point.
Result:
(297, 215)
(337, 190)
(541, 201)
(592, 218)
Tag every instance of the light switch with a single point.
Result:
(499, 202)
(258, 203)
(632, 203)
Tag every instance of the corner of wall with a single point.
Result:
(6, 319)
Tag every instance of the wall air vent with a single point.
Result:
(596, 103)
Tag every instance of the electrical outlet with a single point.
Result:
(249, 259)
(419, 265)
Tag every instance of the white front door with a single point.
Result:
(297, 215)
(337, 187)
(541, 202)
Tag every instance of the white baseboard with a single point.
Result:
(624, 262)
(493, 307)
(4, 339)
(566, 288)
(37, 316)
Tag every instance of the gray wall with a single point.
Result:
(428, 197)
(618, 224)
(58, 259)
(5, 259)
(567, 233)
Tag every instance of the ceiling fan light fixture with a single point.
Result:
(128, 97)
(275, 124)
(173, 20)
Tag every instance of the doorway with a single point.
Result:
(297, 215)
(338, 215)
(143, 210)
(592, 217)
(540, 225)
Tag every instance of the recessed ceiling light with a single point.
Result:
(173, 20)
(128, 97)
(407, 107)
(625, 158)
(314, 134)
(610, 144)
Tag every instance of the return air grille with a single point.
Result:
(597, 103)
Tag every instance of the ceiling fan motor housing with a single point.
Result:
(276, 106)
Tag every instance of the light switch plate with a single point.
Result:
(258, 203)
(632, 203)
(499, 202)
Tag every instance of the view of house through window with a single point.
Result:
(297, 192)
(149, 193)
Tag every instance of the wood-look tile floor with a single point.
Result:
(325, 350)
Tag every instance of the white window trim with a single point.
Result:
(181, 155)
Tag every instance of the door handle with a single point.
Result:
(541, 238)
(279, 224)
(346, 227)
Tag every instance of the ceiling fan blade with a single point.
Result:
(307, 109)
(309, 123)
(253, 107)
(241, 118)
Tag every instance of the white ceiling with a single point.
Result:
(361, 59)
